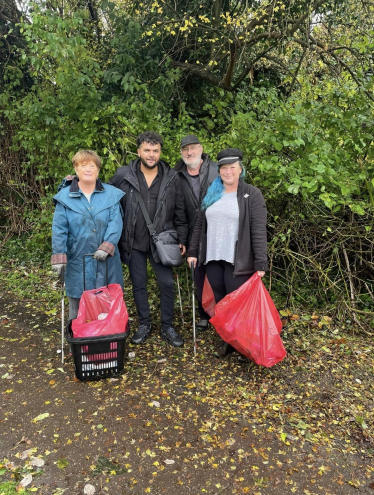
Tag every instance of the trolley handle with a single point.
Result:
(84, 270)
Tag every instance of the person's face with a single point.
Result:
(149, 154)
(230, 173)
(191, 155)
(87, 171)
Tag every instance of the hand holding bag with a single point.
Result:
(166, 242)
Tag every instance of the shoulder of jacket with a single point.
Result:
(180, 166)
(114, 191)
(62, 195)
(246, 189)
(166, 167)
(250, 192)
(212, 163)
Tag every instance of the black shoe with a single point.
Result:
(169, 334)
(202, 325)
(224, 349)
(142, 334)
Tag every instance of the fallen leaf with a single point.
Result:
(37, 462)
(62, 463)
(40, 417)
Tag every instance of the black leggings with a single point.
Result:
(221, 278)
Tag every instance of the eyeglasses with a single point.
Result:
(186, 149)
(90, 166)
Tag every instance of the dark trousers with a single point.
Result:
(221, 278)
(164, 275)
(199, 280)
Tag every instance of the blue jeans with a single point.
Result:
(139, 278)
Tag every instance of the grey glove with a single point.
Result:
(100, 255)
(58, 268)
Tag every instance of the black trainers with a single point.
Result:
(202, 325)
(142, 334)
(171, 336)
(223, 349)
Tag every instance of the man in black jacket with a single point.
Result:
(159, 187)
(196, 173)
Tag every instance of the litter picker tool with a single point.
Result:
(193, 308)
(180, 298)
(62, 312)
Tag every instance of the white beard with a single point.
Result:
(193, 165)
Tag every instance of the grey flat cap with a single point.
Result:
(190, 139)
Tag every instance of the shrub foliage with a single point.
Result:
(288, 82)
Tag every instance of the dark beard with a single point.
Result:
(147, 166)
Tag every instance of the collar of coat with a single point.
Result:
(74, 188)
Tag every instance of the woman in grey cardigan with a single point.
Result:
(230, 233)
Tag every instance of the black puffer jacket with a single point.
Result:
(208, 172)
(169, 212)
(251, 246)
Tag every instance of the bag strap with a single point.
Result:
(145, 212)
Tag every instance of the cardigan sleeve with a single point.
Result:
(193, 249)
(258, 231)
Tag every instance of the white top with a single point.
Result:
(223, 227)
(88, 196)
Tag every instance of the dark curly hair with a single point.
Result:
(149, 137)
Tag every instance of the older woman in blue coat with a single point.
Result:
(87, 219)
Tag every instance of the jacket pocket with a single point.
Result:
(71, 245)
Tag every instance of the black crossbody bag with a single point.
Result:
(166, 242)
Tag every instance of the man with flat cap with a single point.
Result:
(196, 172)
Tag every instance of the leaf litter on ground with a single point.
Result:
(307, 421)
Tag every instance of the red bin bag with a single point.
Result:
(109, 304)
(248, 320)
(208, 301)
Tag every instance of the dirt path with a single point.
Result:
(171, 425)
